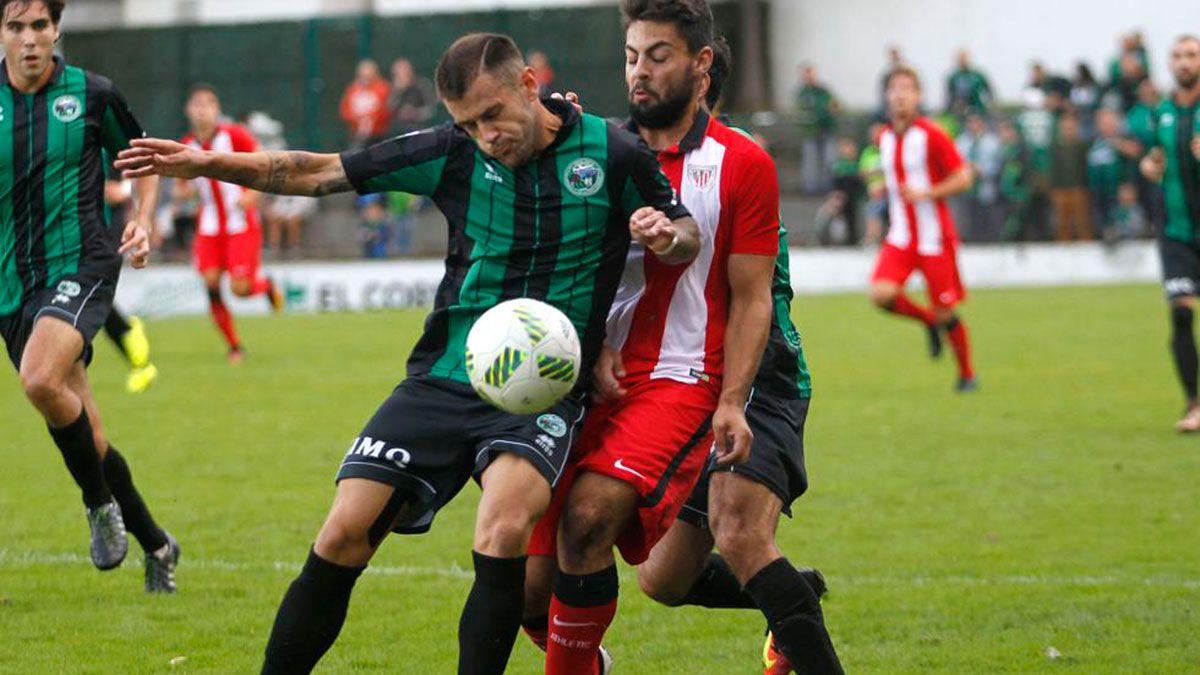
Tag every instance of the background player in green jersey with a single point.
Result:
(59, 265)
(1175, 160)
(540, 201)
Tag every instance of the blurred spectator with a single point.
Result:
(1041, 79)
(1015, 175)
(1142, 127)
(1037, 125)
(1129, 44)
(833, 226)
(374, 233)
(284, 215)
(1130, 74)
(412, 101)
(1129, 220)
(967, 89)
(364, 106)
(870, 170)
(540, 63)
(894, 60)
(1085, 97)
(402, 211)
(847, 181)
(816, 112)
(982, 150)
(1068, 182)
(1111, 162)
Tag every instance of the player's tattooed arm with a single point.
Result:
(292, 173)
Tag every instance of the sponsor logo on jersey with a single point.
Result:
(365, 446)
(553, 425)
(67, 108)
(583, 177)
(703, 177)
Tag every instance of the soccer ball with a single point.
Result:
(523, 356)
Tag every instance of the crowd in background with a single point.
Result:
(1061, 164)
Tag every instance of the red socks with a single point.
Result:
(223, 319)
(903, 306)
(957, 331)
(580, 612)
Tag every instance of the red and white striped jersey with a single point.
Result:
(219, 211)
(668, 321)
(920, 157)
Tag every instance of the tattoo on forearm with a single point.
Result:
(282, 167)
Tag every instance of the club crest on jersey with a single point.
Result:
(67, 108)
(553, 425)
(583, 177)
(703, 177)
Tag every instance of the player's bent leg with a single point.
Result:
(598, 508)
(1184, 356)
(221, 315)
(675, 564)
(744, 515)
(52, 350)
(314, 607)
(883, 293)
(515, 495)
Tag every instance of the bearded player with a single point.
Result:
(682, 349)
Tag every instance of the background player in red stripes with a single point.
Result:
(228, 229)
(922, 168)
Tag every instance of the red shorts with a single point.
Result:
(239, 254)
(940, 272)
(657, 439)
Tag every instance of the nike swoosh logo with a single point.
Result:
(620, 464)
(569, 624)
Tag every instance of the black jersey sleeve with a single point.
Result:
(648, 185)
(118, 126)
(412, 163)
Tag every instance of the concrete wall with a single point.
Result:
(846, 38)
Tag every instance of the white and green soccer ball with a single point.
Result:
(523, 356)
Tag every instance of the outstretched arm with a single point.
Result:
(287, 173)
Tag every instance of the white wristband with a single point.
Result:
(670, 247)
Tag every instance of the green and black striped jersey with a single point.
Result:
(52, 177)
(1175, 126)
(555, 229)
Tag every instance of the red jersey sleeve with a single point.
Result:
(241, 139)
(755, 205)
(942, 152)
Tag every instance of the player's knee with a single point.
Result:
(585, 528)
(659, 585)
(343, 543)
(241, 286)
(737, 537)
(882, 295)
(41, 386)
(504, 531)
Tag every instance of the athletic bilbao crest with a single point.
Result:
(67, 108)
(703, 177)
(584, 177)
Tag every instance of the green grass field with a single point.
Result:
(1054, 508)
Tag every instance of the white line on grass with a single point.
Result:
(10, 558)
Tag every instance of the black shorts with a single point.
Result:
(83, 299)
(776, 457)
(1180, 267)
(431, 435)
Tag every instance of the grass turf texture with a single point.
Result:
(1054, 508)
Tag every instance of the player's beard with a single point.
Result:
(1187, 80)
(669, 110)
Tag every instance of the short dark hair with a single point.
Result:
(56, 7)
(718, 74)
(198, 87)
(471, 55)
(903, 71)
(693, 18)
